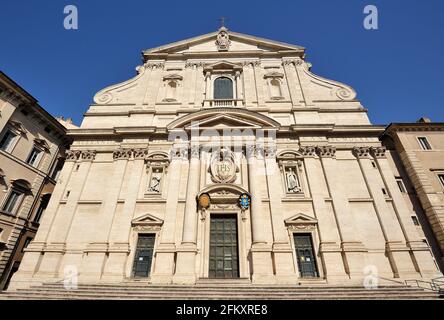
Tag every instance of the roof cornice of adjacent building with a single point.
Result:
(30, 103)
(413, 126)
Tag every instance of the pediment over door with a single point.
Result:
(147, 222)
(301, 221)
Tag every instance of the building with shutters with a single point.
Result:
(226, 157)
(32, 148)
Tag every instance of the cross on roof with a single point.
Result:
(222, 21)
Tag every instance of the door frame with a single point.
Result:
(241, 242)
(133, 249)
(314, 244)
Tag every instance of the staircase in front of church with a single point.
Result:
(215, 291)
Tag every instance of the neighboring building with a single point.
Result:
(417, 150)
(32, 148)
(292, 182)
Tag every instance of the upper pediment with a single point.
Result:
(223, 40)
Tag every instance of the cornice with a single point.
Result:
(412, 127)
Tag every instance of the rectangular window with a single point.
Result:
(7, 141)
(34, 157)
(401, 185)
(12, 201)
(441, 178)
(425, 145)
(415, 220)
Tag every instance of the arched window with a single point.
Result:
(275, 88)
(223, 89)
(171, 90)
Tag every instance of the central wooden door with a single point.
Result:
(224, 258)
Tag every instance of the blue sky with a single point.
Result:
(396, 70)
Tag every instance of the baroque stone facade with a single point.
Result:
(226, 157)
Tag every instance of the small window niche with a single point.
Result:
(274, 83)
(424, 143)
(171, 84)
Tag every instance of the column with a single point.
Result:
(259, 83)
(186, 254)
(420, 250)
(96, 250)
(352, 247)
(120, 233)
(398, 252)
(282, 250)
(260, 249)
(30, 261)
(165, 253)
(330, 242)
(293, 84)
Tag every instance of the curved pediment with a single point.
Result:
(224, 118)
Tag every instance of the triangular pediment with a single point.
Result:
(226, 122)
(147, 220)
(221, 118)
(239, 42)
(301, 218)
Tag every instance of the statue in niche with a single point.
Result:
(293, 184)
(156, 179)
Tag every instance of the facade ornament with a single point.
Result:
(88, 155)
(194, 65)
(223, 40)
(251, 63)
(308, 151)
(326, 151)
(140, 153)
(361, 152)
(378, 152)
(295, 62)
(72, 155)
(120, 154)
(223, 167)
(154, 65)
(250, 151)
(195, 151)
(270, 152)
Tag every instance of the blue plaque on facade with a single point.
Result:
(244, 201)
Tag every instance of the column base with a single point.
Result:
(262, 264)
(186, 265)
(164, 264)
(284, 264)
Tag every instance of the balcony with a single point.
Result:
(223, 103)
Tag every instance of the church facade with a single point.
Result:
(225, 157)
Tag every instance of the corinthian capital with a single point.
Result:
(120, 154)
(378, 152)
(361, 152)
(88, 155)
(73, 155)
(326, 151)
(140, 153)
(308, 151)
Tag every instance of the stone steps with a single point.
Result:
(214, 291)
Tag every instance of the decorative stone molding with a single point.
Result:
(147, 222)
(308, 151)
(194, 65)
(361, 152)
(250, 151)
(301, 222)
(155, 65)
(121, 154)
(223, 166)
(73, 155)
(195, 151)
(326, 151)
(140, 153)
(223, 41)
(378, 152)
(253, 63)
(295, 62)
(88, 155)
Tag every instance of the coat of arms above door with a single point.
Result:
(223, 166)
